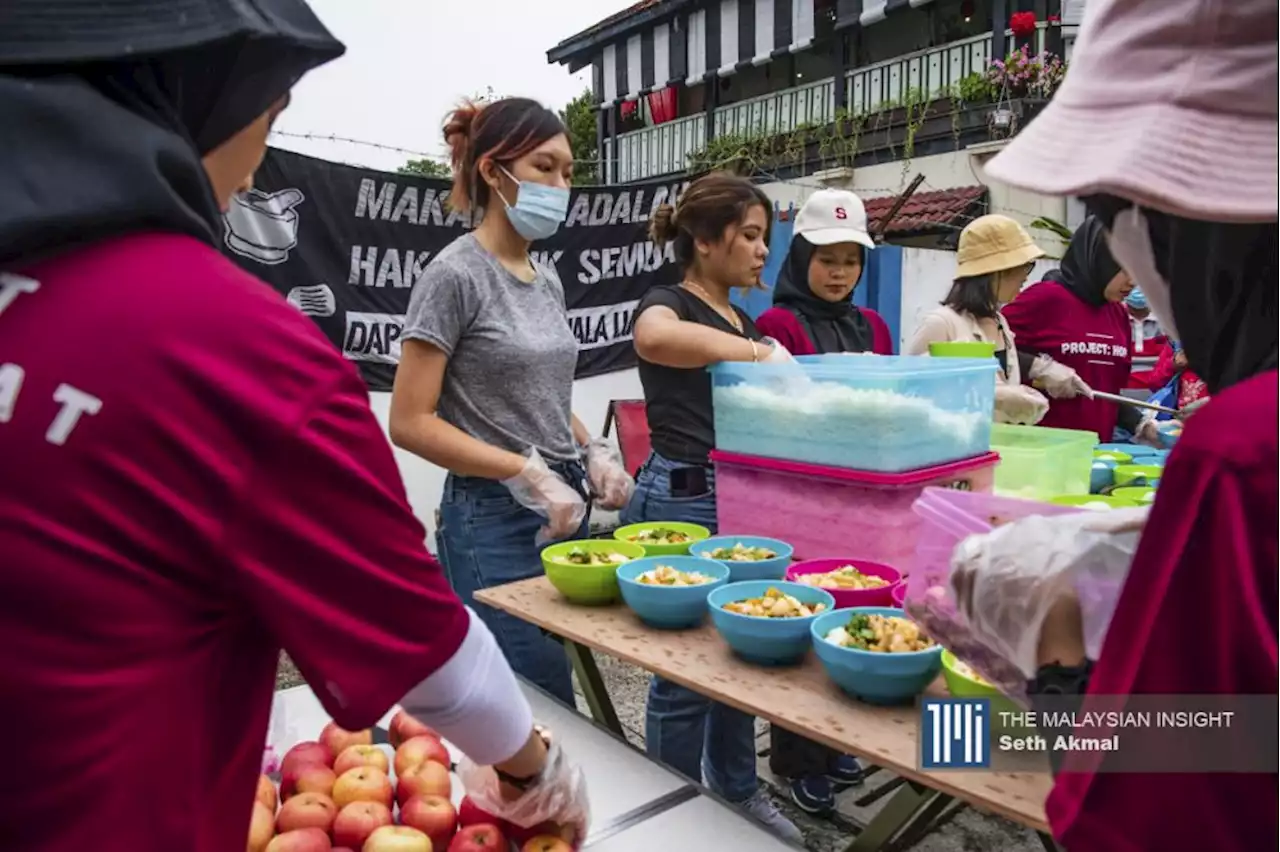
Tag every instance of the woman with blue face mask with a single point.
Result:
(485, 381)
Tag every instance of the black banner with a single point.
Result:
(345, 246)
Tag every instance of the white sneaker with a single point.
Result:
(762, 808)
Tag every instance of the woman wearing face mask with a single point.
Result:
(485, 381)
(813, 312)
(1197, 227)
(1074, 337)
(993, 259)
(719, 231)
(196, 481)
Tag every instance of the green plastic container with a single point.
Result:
(1141, 495)
(1037, 462)
(1113, 455)
(590, 585)
(961, 685)
(1138, 474)
(963, 349)
(1086, 501)
(693, 531)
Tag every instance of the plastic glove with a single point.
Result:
(1057, 380)
(1020, 404)
(559, 796)
(1148, 433)
(1005, 582)
(609, 480)
(1192, 408)
(539, 488)
(778, 353)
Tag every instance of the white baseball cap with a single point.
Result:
(833, 216)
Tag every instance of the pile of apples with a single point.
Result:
(336, 795)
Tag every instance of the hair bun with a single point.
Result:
(457, 130)
(662, 224)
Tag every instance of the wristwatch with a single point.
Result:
(524, 784)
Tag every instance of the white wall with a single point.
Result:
(423, 481)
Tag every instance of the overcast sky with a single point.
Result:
(408, 61)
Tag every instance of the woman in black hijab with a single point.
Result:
(191, 479)
(813, 312)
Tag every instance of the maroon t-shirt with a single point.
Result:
(1095, 341)
(782, 325)
(192, 480)
(1197, 617)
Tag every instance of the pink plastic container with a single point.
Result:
(846, 598)
(899, 594)
(947, 518)
(824, 510)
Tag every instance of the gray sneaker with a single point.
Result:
(766, 812)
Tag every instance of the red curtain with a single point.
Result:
(628, 108)
(662, 105)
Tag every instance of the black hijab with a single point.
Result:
(98, 141)
(1222, 286)
(1087, 266)
(832, 326)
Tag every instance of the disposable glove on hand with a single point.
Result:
(1148, 433)
(610, 482)
(1058, 380)
(559, 796)
(1020, 404)
(541, 489)
(1006, 581)
(778, 353)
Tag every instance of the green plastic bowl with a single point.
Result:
(590, 585)
(1138, 474)
(1113, 455)
(1138, 494)
(961, 685)
(695, 533)
(1086, 500)
(963, 349)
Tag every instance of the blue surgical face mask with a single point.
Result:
(1137, 299)
(539, 210)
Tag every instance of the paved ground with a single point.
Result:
(968, 832)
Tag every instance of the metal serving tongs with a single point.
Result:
(1137, 403)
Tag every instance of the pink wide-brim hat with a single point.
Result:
(1169, 103)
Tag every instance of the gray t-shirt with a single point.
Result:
(512, 355)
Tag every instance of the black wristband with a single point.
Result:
(1055, 682)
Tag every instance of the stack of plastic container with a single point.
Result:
(829, 454)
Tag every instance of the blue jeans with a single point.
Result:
(485, 538)
(687, 731)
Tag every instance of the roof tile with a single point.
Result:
(926, 211)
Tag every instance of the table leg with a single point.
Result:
(897, 814)
(1047, 842)
(880, 792)
(593, 688)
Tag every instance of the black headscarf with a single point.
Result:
(832, 326)
(1087, 267)
(101, 147)
(1222, 285)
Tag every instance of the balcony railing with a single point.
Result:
(664, 148)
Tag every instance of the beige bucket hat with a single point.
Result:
(994, 243)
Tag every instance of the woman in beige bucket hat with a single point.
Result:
(993, 259)
(1167, 123)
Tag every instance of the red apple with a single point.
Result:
(361, 755)
(308, 779)
(363, 784)
(339, 739)
(357, 821)
(267, 793)
(343, 849)
(405, 727)
(420, 750)
(301, 840)
(424, 779)
(306, 810)
(481, 837)
(521, 836)
(434, 816)
(397, 838)
(307, 753)
(262, 827)
(546, 843)
(469, 813)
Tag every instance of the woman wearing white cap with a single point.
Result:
(813, 311)
(993, 259)
(1167, 125)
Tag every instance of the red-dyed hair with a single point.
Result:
(502, 131)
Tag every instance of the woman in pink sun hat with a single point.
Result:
(1167, 125)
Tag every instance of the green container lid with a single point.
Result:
(1093, 501)
(1113, 455)
(1138, 474)
(1139, 495)
(963, 349)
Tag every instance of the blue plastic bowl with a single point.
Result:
(873, 677)
(766, 641)
(766, 569)
(1135, 450)
(669, 607)
(1103, 475)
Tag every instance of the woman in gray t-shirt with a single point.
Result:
(485, 382)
